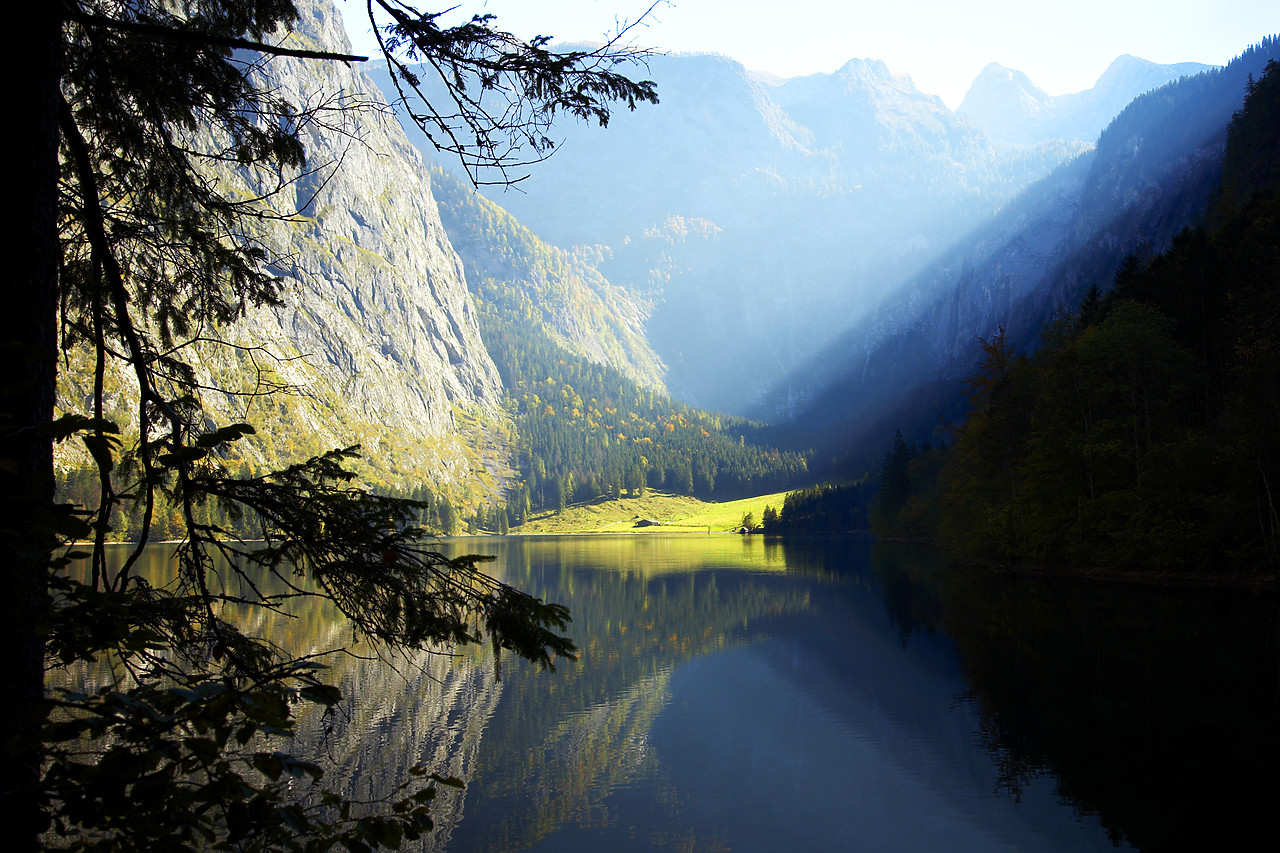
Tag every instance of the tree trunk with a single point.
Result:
(28, 335)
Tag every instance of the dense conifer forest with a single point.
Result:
(586, 430)
(1141, 432)
(825, 508)
(590, 427)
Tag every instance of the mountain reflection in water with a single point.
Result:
(735, 693)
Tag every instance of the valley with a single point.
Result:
(747, 288)
(507, 444)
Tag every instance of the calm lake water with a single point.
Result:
(735, 693)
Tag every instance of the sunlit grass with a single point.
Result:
(677, 514)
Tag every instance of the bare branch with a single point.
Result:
(489, 97)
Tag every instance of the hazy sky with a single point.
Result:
(943, 44)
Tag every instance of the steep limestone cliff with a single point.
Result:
(377, 341)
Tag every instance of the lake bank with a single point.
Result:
(682, 514)
(674, 514)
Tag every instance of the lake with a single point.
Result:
(742, 694)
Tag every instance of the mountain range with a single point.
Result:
(1012, 110)
(1150, 175)
(760, 218)
(821, 251)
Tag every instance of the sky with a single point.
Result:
(942, 44)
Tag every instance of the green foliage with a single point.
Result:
(586, 430)
(826, 508)
(985, 509)
(907, 503)
(159, 194)
(1091, 452)
(1142, 432)
(433, 512)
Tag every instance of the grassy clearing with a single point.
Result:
(678, 514)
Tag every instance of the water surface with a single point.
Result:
(735, 693)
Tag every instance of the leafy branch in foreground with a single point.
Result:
(357, 549)
(140, 715)
(182, 740)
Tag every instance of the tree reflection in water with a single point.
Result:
(1158, 710)
(738, 692)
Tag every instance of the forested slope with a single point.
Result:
(587, 430)
(562, 293)
(1151, 175)
(591, 414)
(1141, 432)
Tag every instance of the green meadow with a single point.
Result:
(677, 514)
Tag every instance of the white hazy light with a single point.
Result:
(941, 44)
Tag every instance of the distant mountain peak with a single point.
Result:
(995, 73)
(1014, 111)
(1007, 105)
(1126, 60)
(866, 69)
(1137, 75)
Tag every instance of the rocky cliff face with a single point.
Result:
(378, 340)
(381, 312)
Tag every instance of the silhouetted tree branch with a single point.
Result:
(130, 248)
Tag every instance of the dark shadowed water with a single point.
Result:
(733, 693)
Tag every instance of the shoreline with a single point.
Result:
(1258, 582)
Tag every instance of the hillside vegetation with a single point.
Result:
(592, 416)
(1142, 430)
(676, 514)
(1151, 175)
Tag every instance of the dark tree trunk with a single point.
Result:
(28, 327)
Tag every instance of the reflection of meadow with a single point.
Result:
(627, 554)
(536, 750)
(560, 744)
